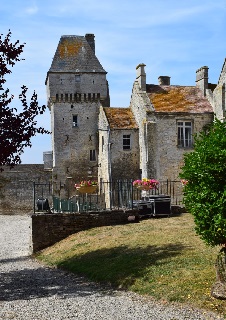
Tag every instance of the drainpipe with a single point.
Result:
(109, 165)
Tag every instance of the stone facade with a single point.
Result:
(168, 157)
(218, 96)
(91, 140)
(76, 87)
(117, 160)
(158, 125)
(158, 109)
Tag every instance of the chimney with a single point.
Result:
(202, 79)
(164, 80)
(141, 76)
(90, 39)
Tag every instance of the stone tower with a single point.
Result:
(76, 87)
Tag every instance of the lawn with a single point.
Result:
(162, 258)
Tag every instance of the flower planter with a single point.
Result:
(86, 189)
(144, 188)
(146, 184)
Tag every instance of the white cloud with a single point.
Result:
(31, 10)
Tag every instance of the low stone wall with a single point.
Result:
(48, 229)
(17, 187)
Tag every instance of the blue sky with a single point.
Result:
(172, 37)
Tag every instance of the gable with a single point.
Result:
(178, 99)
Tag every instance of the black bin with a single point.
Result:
(43, 204)
(161, 204)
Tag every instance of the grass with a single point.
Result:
(162, 258)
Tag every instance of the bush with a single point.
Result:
(205, 192)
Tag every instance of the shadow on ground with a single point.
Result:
(28, 279)
(121, 265)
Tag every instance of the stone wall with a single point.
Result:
(48, 229)
(76, 87)
(114, 162)
(17, 187)
(72, 144)
(139, 105)
(125, 164)
(219, 101)
(104, 146)
(169, 157)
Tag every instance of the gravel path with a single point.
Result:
(30, 291)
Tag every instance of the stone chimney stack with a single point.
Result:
(202, 79)
(164, 80)
(90, 39)
(141, 76)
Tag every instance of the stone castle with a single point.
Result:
(91, 140)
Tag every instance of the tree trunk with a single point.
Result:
(218, 290)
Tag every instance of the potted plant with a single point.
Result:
(86, 186)
(146, 184)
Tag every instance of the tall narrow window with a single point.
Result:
(77, 78)
(102, 143)
(126, 142)
(92, 155)
(184, 134)
(75, 120)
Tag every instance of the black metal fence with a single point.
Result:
(118, 194)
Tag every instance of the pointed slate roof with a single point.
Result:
(74, 54)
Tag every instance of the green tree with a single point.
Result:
(204, 171)
(205, 192)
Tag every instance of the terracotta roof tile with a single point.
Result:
(120, 118)
(178, 99)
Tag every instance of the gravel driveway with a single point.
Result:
(29, 290)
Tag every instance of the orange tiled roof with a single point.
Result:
(120, 118)
(178, 99)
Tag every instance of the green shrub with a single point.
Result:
(205, 192)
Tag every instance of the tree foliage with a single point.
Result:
(16, 128)
(205, 192)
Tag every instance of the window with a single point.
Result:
(75, 121)
(102, 143)
(77, 78)
(126, 142)
(92, 155)
(184, 134)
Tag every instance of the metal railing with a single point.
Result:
(119, 194)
